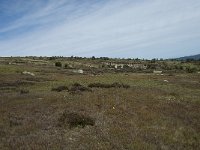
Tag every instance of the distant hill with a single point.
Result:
(195, 57)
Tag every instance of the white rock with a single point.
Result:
(157, 72)
(28, 73)
(78, 71)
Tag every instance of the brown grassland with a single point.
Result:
(56, 109)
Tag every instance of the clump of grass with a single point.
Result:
(76, 87)
(60, 88)
(24, 91)
(113, 85)
(15, 121)
(75, 120)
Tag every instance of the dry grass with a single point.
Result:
(150, 114)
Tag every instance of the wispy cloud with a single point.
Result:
(114, 28)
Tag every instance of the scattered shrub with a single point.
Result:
(67, 66)
(16, 83)
(75, 120)
(120, 85)
(191, 69)
(24, 91)
(76, 87)
(15, 121)
(170, 74)
(60, 88)
(98, 85)
(58, 64)
(174, 94)
(114, 85)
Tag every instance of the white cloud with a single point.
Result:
(118, 28)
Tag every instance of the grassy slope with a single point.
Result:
(152, 114)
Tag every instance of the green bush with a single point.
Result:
(75, 120)
(76, 88)
(191, 69)
(60, 88)
(58, 64)
(113, 85)
(67, 66)
(24, 91)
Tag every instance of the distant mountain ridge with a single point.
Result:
(195, 57)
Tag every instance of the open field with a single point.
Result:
(101, 108)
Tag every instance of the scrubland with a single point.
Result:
(103, 109)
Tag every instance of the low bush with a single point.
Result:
(75, 120)
(191, 69)
(76, 87)
(170, 74)
(24, 91)
(99, 85)
(120, 85)
(15, 121)
(113, 85)
(67, 66)
(58, 64)
(60, 88)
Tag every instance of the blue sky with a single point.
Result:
(112, 28)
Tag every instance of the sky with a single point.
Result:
(101, 28)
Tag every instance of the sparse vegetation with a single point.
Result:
(58, 64)
(76, 88)
(191, 69)
(103, 108)
(24, 91)
(60, 88)
(75, 120)
(67, 66)
(113, 85)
